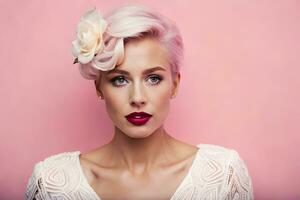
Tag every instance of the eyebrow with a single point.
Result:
(147, 71)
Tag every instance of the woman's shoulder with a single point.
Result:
(220, 154)
(224, 168)
(53, 171)
(59, 159)
(60, 162)
(215, 149)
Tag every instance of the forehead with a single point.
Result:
(142, 54)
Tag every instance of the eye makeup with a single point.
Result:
(120, 80)
(155, 79)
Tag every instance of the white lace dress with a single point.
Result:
(217, 173)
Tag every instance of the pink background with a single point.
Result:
(239, 89)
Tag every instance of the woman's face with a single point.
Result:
(142, 83)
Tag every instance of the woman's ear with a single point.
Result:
(176, 81)
(99, 93)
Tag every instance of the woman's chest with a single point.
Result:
(160, 185)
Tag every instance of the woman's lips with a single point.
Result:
(138, 118)
(138, 121)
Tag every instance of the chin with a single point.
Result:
(142, 133)
(137, 136)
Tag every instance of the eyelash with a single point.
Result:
(157, 77)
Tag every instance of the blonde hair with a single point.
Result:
(130, 22)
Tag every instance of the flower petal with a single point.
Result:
(85, 58)
(103, 26)
(89, 41)
(75, 48)
(92, 16)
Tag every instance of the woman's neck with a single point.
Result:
(140, 155)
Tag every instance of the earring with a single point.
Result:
(173, 96)
(99, 94)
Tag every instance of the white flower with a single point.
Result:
(89, 36)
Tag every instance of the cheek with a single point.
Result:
(163, 102)
(161, 98)
(114, 101)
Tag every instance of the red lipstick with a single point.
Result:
(138, 118)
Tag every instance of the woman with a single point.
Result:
(133, 55)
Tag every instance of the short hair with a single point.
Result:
(136, 21)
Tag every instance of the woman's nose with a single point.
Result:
(137, 97)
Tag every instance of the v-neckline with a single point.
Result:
(90, 188)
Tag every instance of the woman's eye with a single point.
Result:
(154, 79)
(118, 81)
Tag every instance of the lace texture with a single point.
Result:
(217, 173)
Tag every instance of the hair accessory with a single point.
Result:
(94, 47)
(89, 40)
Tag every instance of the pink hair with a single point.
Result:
(131, 22)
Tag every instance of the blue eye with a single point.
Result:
(118, 81)
(154, 79)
